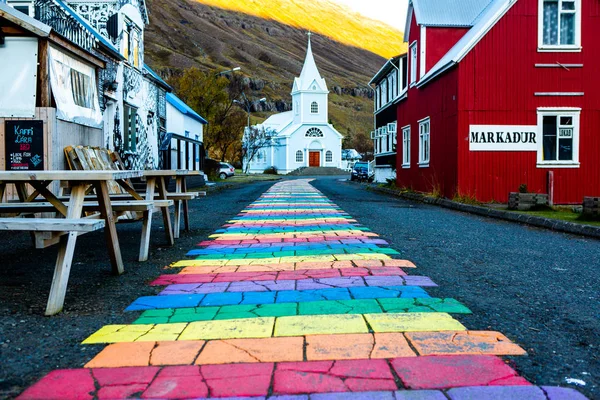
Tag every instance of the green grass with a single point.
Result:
(563, 215)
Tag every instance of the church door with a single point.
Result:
(314, 159)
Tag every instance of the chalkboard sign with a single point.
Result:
(24, 145)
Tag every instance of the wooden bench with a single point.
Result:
(64, 260)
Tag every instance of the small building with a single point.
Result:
(183, 145)
(302, 137)
(502, 93)
(391, 84)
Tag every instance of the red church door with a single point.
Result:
(314, 158)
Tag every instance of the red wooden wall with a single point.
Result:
(439, 42)
(495, 85)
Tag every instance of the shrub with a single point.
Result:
(270, 171)
(523, 188)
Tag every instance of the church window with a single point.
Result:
(314, 87)
(314, 132)
(329, 156)
(299, 156)
(314, 107)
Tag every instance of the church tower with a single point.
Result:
(310, 95)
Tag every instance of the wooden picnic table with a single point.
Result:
(73, 223)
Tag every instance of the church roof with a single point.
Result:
(310, 73)
(279, 121)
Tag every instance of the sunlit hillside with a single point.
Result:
(326, 18)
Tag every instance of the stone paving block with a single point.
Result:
(376, 292)
(329, 376)
(69, 384)
(450, 306)
(238, 379)
(444, 372)
(497, 393)
(339, 307)
(319, 325)
(156, 302)
(142, 354)
(313, 295)
(135, 333)
(252, 351)
(229, 329)
(413, 322)
(560, 393)
(357, 346)
(469, 342)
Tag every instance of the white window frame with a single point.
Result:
(312, 107)
(414, 51)
(301, 154)
(559, 47)
(406, 147)
(424, 161)
(423, 52)
(575, 113)
(23, 3)
(328, 153)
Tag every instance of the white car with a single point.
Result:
(226, 171)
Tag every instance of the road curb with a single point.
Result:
(539, 222)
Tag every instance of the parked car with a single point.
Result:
(360, 172)
(226, 171)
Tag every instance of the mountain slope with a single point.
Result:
(325, 17)
(186, 33)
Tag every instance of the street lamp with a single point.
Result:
(247, 105)
(228, 71)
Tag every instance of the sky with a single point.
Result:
(392, 12)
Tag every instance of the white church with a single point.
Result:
(302, 137)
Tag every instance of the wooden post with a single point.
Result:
(162, 194)
(186, 216)
(112, 240)
(64, 260)
(177, 218)
(551, 188)
(147, 222)
(43, 78)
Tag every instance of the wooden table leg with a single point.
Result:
(147, 222)
(162, 194)
(177, 218)
(112, 241)
(2, 190)
(186, 211)
(64, 260)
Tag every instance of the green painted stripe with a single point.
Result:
(366, 306)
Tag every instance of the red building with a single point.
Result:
(502, 93)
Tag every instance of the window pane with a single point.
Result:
(549, 132)
(565, 149)
(568, 6)
(551, 22)
(567, 29)
(566, 121)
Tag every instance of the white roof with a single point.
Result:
(482, 25)
(310, 73)
(279, 121)
(458, 13)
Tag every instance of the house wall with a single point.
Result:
(439, 42)
(498, 81)
(439, 101)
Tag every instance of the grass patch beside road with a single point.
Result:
(563, 214)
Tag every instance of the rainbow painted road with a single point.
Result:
(293, 299)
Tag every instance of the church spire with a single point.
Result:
(310, 72)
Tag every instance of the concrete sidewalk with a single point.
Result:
(293, 299)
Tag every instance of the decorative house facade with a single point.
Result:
(302, 137)
(501, 93)
(391, 85)
(99, 90)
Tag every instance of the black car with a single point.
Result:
(360, 172)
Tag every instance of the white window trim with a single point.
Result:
(559, 111)
(296, 157)
(411, 66)
(424, 163)
(542, 48)
(423, 52)
(406, 163)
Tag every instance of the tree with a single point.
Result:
(254, 140)
(212, 96)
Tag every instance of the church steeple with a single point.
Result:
(310, 78)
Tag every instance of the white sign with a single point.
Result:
(503, 138)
